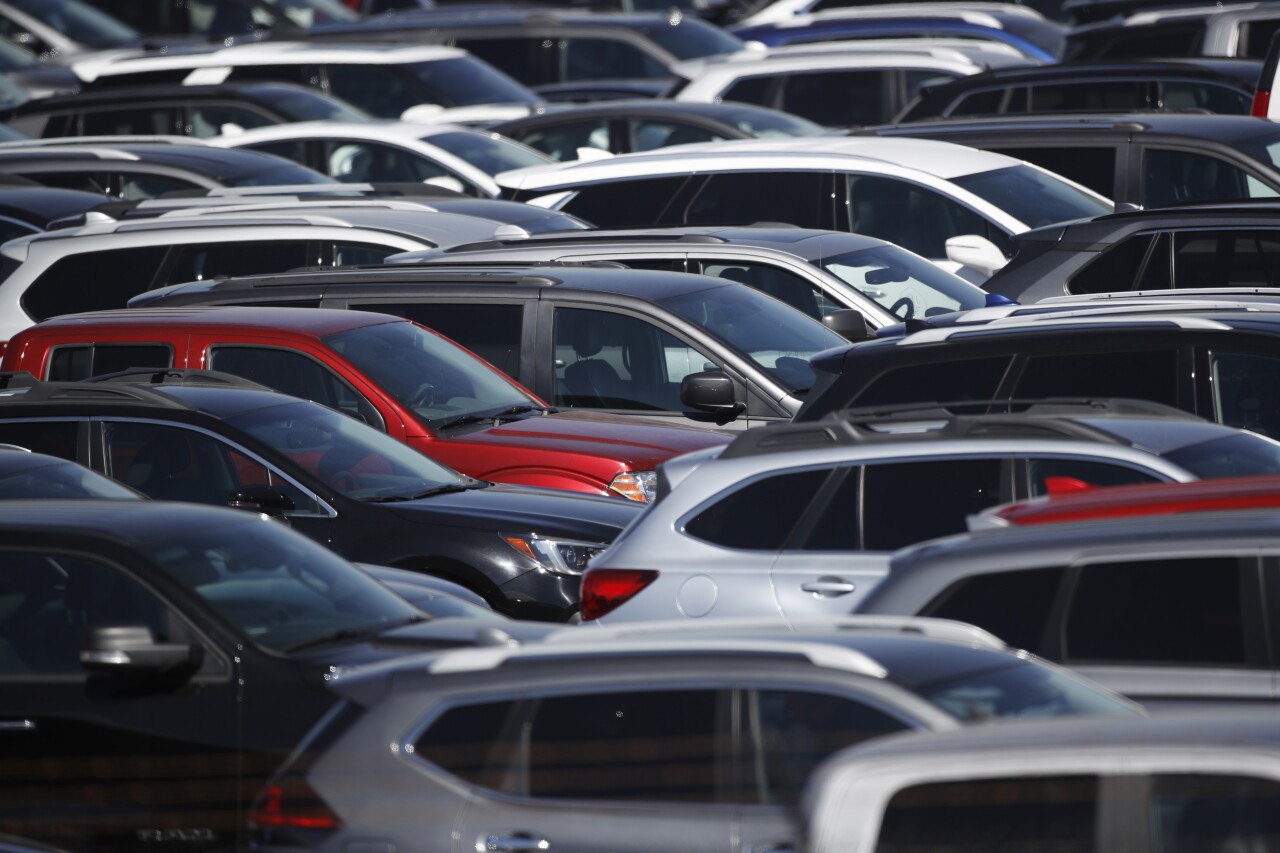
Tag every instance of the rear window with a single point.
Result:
(92, 281)
(949, 381)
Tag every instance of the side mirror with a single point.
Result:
(977, 253)
(711, 391)
(264, 499)
(131, 650)
(848, 323)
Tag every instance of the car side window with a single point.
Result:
(840, 98)
(744, 198)
(1170, 176)
(201, 261)
(914, 217)
(1022, 813)
(49, 600)
(1244, 391)
(1149, 42)
(378, 89)
(949, 381)
(628, 204)
(357, 161)
(297, 375)
(760, 515)
(790, 732)
(56, 438)
(1090, 166)
(799, 293)
(908, 502)
(1048, 475)
(750, 90)
(73, 363)
(1144, 375)
(493, 331)
(1166, 611)
(982, 600)
(209, 120)
(1226, 259)
(1205, 811)
(117, 275)
(562, 141)
(126, 120)
(172, 463)
(605, 59)
(1116, 268)
(1255, 37)
(137, 186)
(648, 134)
(474, 742)
(605, 360)
(1197, 95)
(290, 149)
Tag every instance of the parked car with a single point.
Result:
(1141, 159)
(58, 30)
(1168, 610)
(817, 272)
(174, 110)
(46, 272)
(916, 194)
(416, 386)
(225, 21)
(37, 476)
(26, 208)
(1198, 782)
(626, 125)
(409, 82)
(161, 659)
(1229, 29)
(800, 520)
(30, 78)
(552, 745)
(454, 157)
(664, 345)
(1216, 86)
(1232, 248)
(363, 494)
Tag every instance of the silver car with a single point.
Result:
(800, 519)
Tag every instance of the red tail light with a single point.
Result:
(292, 804)
(604, 590)
(1261, 103)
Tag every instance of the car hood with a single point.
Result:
(639, 442)
(425, 637)
(523, 509)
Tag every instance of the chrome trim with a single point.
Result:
(17, 725)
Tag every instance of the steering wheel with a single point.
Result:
(905, 306)
(424, 395)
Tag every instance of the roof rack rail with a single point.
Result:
(563, 237)
(178, 376)
(22, 387)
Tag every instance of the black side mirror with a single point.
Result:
(264, 499)
(131, 650)
(711, 391)
(848, 323)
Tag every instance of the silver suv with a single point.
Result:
(800, 519)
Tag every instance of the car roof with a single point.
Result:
(256, 90)
(200, 159)
(1226, 128)
(123, 522)
(313, 322)
(1239, 70)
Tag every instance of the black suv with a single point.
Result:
(363, 494)
(160, 659)
(1197, 246)
(1147, 159)
(1223, 366)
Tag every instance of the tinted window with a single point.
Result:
(604, 59)
(294, 374)
(908, 502)
(1147, 42)
(1230, 259)
(750, 90)
(758, 516)
(1151, 375)
(1032, 196)
(626, 746)
(562, 141)
(56, 438)
(1115, 269)
(69, 364)
(202, 261)
(125, 120)
(1094, 168)
(491, 331)
(92, 281)
(1255, 38)
(1049, 476)
(490, 153)
(367, 162)
(840, 98)
(1237, 455)
(1203, 812)
(983, 600)
(799, 293)
(792, 731)
(627, 204)
(993, 816)
(1176, 177)
(528, 60)
(137, 187)
(290, 149)
(948, 381)
(1244, 388)
(797, 198)
(647, 134)
(1211, 97)
(209, 120)
(915, 218)
(1159, 611)
(468, 741)
(1089, 96)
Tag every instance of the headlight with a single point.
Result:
(560, 556)
(636, 485)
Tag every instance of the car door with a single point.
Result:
(841, 552)
(1174, 174)
(92, 757)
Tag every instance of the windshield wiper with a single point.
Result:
(446, 489)
(495, 417)
(341, 634)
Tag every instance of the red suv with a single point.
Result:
(404, 379)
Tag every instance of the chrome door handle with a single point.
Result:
(17, 725)
(513, 843)
(829, 587)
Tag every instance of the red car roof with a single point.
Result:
(314, 321)
(1149, 499)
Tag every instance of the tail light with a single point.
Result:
(291, 804)
(1261, 103)
(604, 590)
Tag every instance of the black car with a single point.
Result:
(1198, 246)
(1220, 365)
(160, 659)
(361, 493)
(33, 78)
(1211, 85)
(37, 476)
(224, 21)
(27, 208)
(540, 46)
(138, 170)
(200, 111)
(1145, 159)
(623, 126)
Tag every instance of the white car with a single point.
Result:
(388, 81)
(955, 205)
(446, 155)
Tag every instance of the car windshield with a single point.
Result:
(348, 456)
(1032, 196)
(278, 175)
(79, 22)
(491, 153)
(305, 105)
(464, 81)
(280, 589)
(55, 478)
(1265, 147)
(14, 58)
(777, 337)
(437, 380)
(1024, 689)
(903, 283)
(686, 37)
(1241, 455)
(773, 124)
